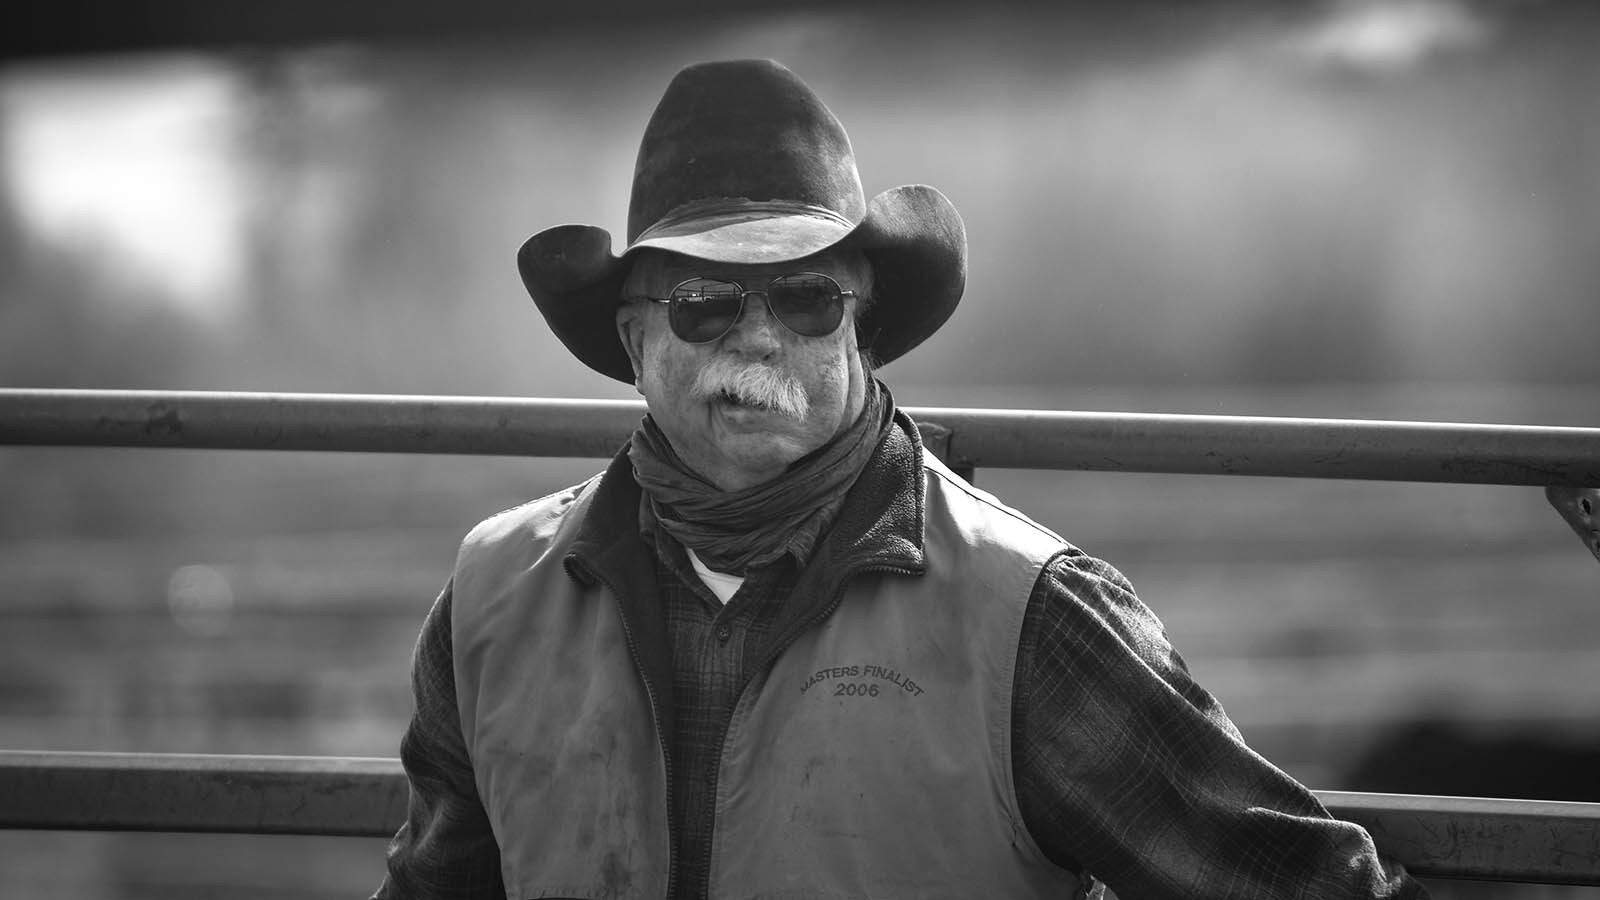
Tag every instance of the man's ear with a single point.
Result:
(630, 330)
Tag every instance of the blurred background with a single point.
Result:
(1348, 209)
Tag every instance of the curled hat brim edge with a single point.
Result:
(912, 235)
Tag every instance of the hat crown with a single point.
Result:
(742, 129)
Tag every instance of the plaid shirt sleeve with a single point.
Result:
(445, 849)
(1129, 771)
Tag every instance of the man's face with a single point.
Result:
(741, 408)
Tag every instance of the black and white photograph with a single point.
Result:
(798, 450)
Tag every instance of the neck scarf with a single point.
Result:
(734, 531)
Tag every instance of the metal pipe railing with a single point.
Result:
(335, 796)
(1456, 837)
(1517, 840)
(1026, 439)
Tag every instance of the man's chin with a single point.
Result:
(759, 454)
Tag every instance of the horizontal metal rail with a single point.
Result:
(1024, 439)
(1515, 840)
(1451, 837)
(207, 793)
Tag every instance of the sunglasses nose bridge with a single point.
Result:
(747, 310)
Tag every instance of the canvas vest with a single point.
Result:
(871, 759)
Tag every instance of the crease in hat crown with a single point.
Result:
(742, 163)
(741, 130)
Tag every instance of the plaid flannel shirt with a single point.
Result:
(1126, 769)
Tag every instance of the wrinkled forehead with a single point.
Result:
(655, 272)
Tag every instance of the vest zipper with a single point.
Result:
(655, 713)
(772, 656)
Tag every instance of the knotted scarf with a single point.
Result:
(734, 531)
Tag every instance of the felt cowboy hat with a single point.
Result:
(742, 163)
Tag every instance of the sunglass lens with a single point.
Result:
(811, 305)
(704, 309)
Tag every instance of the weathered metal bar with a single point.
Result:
(1027, 439)
(232, 794)
(1452, 837)
(333, 422)
(1480, 838)
(1294, 447)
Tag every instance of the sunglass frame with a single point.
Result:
(676, 303)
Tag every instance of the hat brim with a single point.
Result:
(912, 235)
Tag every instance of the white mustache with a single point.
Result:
(753, 384)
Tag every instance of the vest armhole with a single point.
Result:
(1037, 595)
(1008, 734)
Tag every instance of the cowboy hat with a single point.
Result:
(742, 163)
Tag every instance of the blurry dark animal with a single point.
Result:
(1444, 757)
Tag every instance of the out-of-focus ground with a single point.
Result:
(1347, 209)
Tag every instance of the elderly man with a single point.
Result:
(778, 650)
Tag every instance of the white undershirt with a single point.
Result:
(720, 583)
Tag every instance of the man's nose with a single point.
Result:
(757, 331)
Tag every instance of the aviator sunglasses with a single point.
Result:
(702, 310)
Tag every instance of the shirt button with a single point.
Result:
(724, 633)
